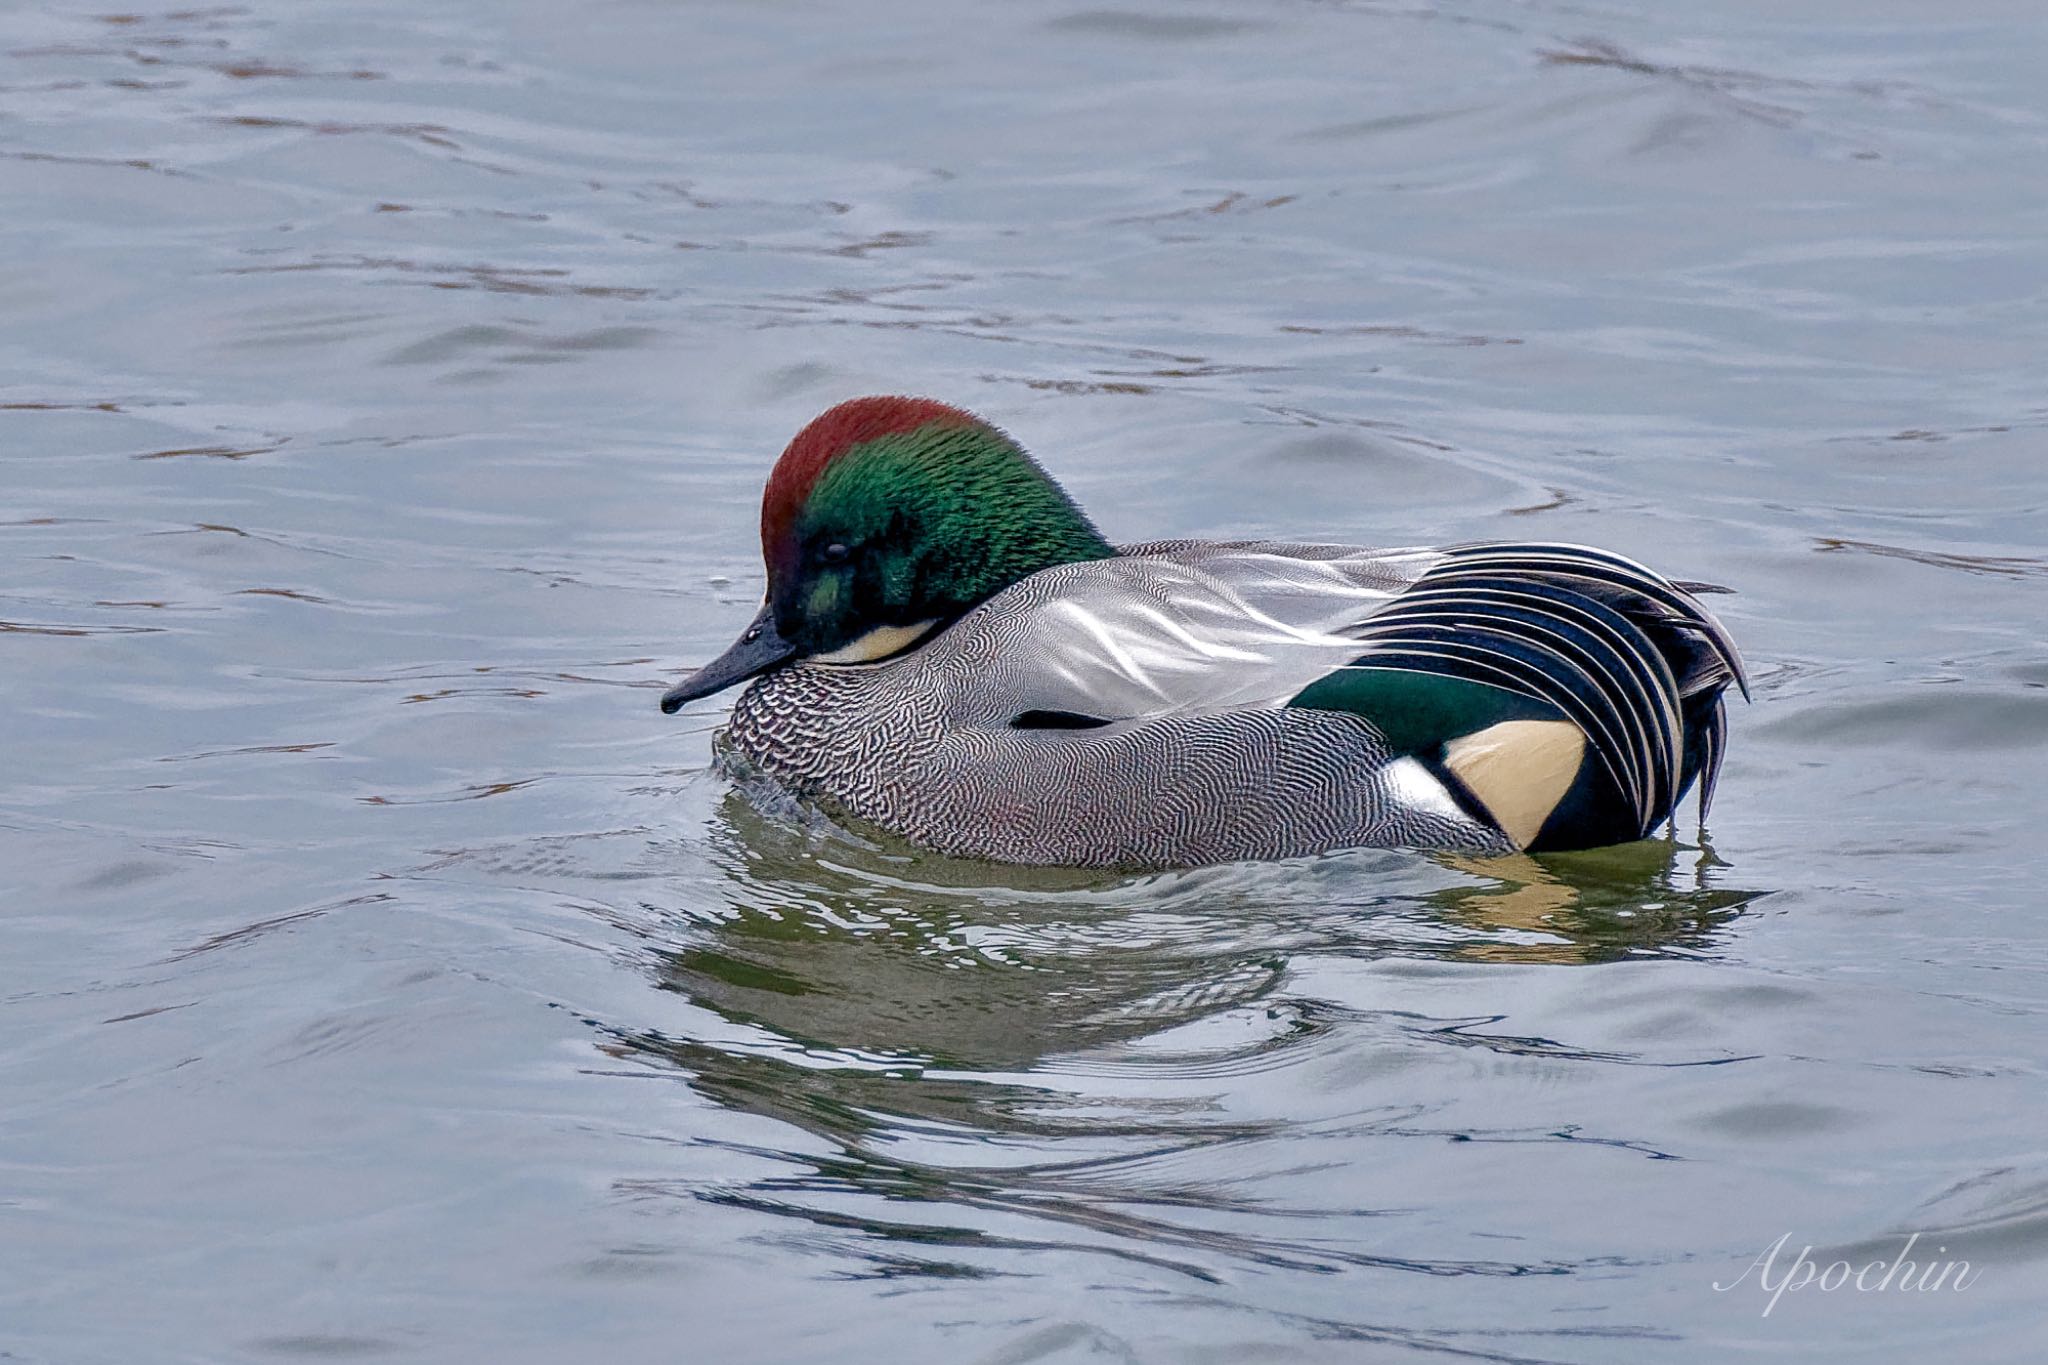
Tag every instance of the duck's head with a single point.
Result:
(885, 519)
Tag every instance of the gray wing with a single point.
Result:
(1187, 628)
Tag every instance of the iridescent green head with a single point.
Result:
(885, 519)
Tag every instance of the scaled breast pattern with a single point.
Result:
(923, 746)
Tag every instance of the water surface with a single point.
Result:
(387, 391)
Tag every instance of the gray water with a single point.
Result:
(387, 392)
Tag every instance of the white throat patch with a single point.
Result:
(878, 643)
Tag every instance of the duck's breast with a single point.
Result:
(1126, 712)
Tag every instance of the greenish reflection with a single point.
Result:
(974, 1039)
(843, 942)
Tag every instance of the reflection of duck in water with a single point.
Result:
(868, 953)
(970, 1046)
(951, 651)
(920, 962)
(1586, 907)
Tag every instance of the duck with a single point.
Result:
(950, 652)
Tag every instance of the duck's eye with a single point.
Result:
(835, 553)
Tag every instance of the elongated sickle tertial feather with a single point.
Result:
(1628, 657)
(1583, 563)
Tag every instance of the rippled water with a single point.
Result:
(387, 393)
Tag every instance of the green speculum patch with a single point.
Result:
(1418, 711)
